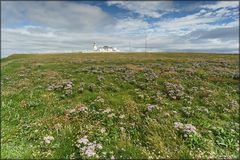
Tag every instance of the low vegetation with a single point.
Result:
(118, 106)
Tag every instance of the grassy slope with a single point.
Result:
(126, 83)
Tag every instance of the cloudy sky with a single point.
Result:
(61, 26)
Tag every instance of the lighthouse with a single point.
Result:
(95, 47)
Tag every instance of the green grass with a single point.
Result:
(201, 92)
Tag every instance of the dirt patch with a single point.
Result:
(135, 68)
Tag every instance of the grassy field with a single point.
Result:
(168, 105)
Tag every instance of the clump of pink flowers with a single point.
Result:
(151, 107)
(87, 148)
(185, 128)
(174, 91)
(83, 140)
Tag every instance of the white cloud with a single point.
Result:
(221, 4)
(32, 31)
(131, 25)
(153, 9)
(57, 14)
(202, 20)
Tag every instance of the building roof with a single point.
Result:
(107, 47)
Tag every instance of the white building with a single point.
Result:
(104, 48)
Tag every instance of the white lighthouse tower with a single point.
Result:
(95, 47)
